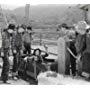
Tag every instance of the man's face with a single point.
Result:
(37, 53)
(20, 30)
(10, 31)
(63, 28)
(29, 31)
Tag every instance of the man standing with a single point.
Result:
(17, 49)
(6, 46)
(83, 61)
(27, 37)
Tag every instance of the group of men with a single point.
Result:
(79, 49)
(15, 42)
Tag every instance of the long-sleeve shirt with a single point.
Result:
(17, 41)
(26, 38)
(5, 40)
(80, 43)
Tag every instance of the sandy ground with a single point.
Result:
(43, 80)
(14, 82)
(18, 82)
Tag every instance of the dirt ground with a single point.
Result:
(15, 82)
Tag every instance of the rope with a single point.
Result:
(71, 53)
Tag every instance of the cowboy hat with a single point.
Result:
(81, 27)
(11, 26)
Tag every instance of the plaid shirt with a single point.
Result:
(26, 38)
(80, 43)
(14, 41)
(17, 41)
(5, 40)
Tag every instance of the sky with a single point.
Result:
(16, 3)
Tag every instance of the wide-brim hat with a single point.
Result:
(11, 26)
(81, 27)
(29, 28)
(64, 25)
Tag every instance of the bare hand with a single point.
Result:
(2, 54)
(35, 58)
(78, 58)
(46, 47)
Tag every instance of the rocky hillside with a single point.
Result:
(45, 16)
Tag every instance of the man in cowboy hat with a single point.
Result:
(72, 51)
(6, 46)
(81, 29)
(81, 45)
(17, 50)
(27, 37)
